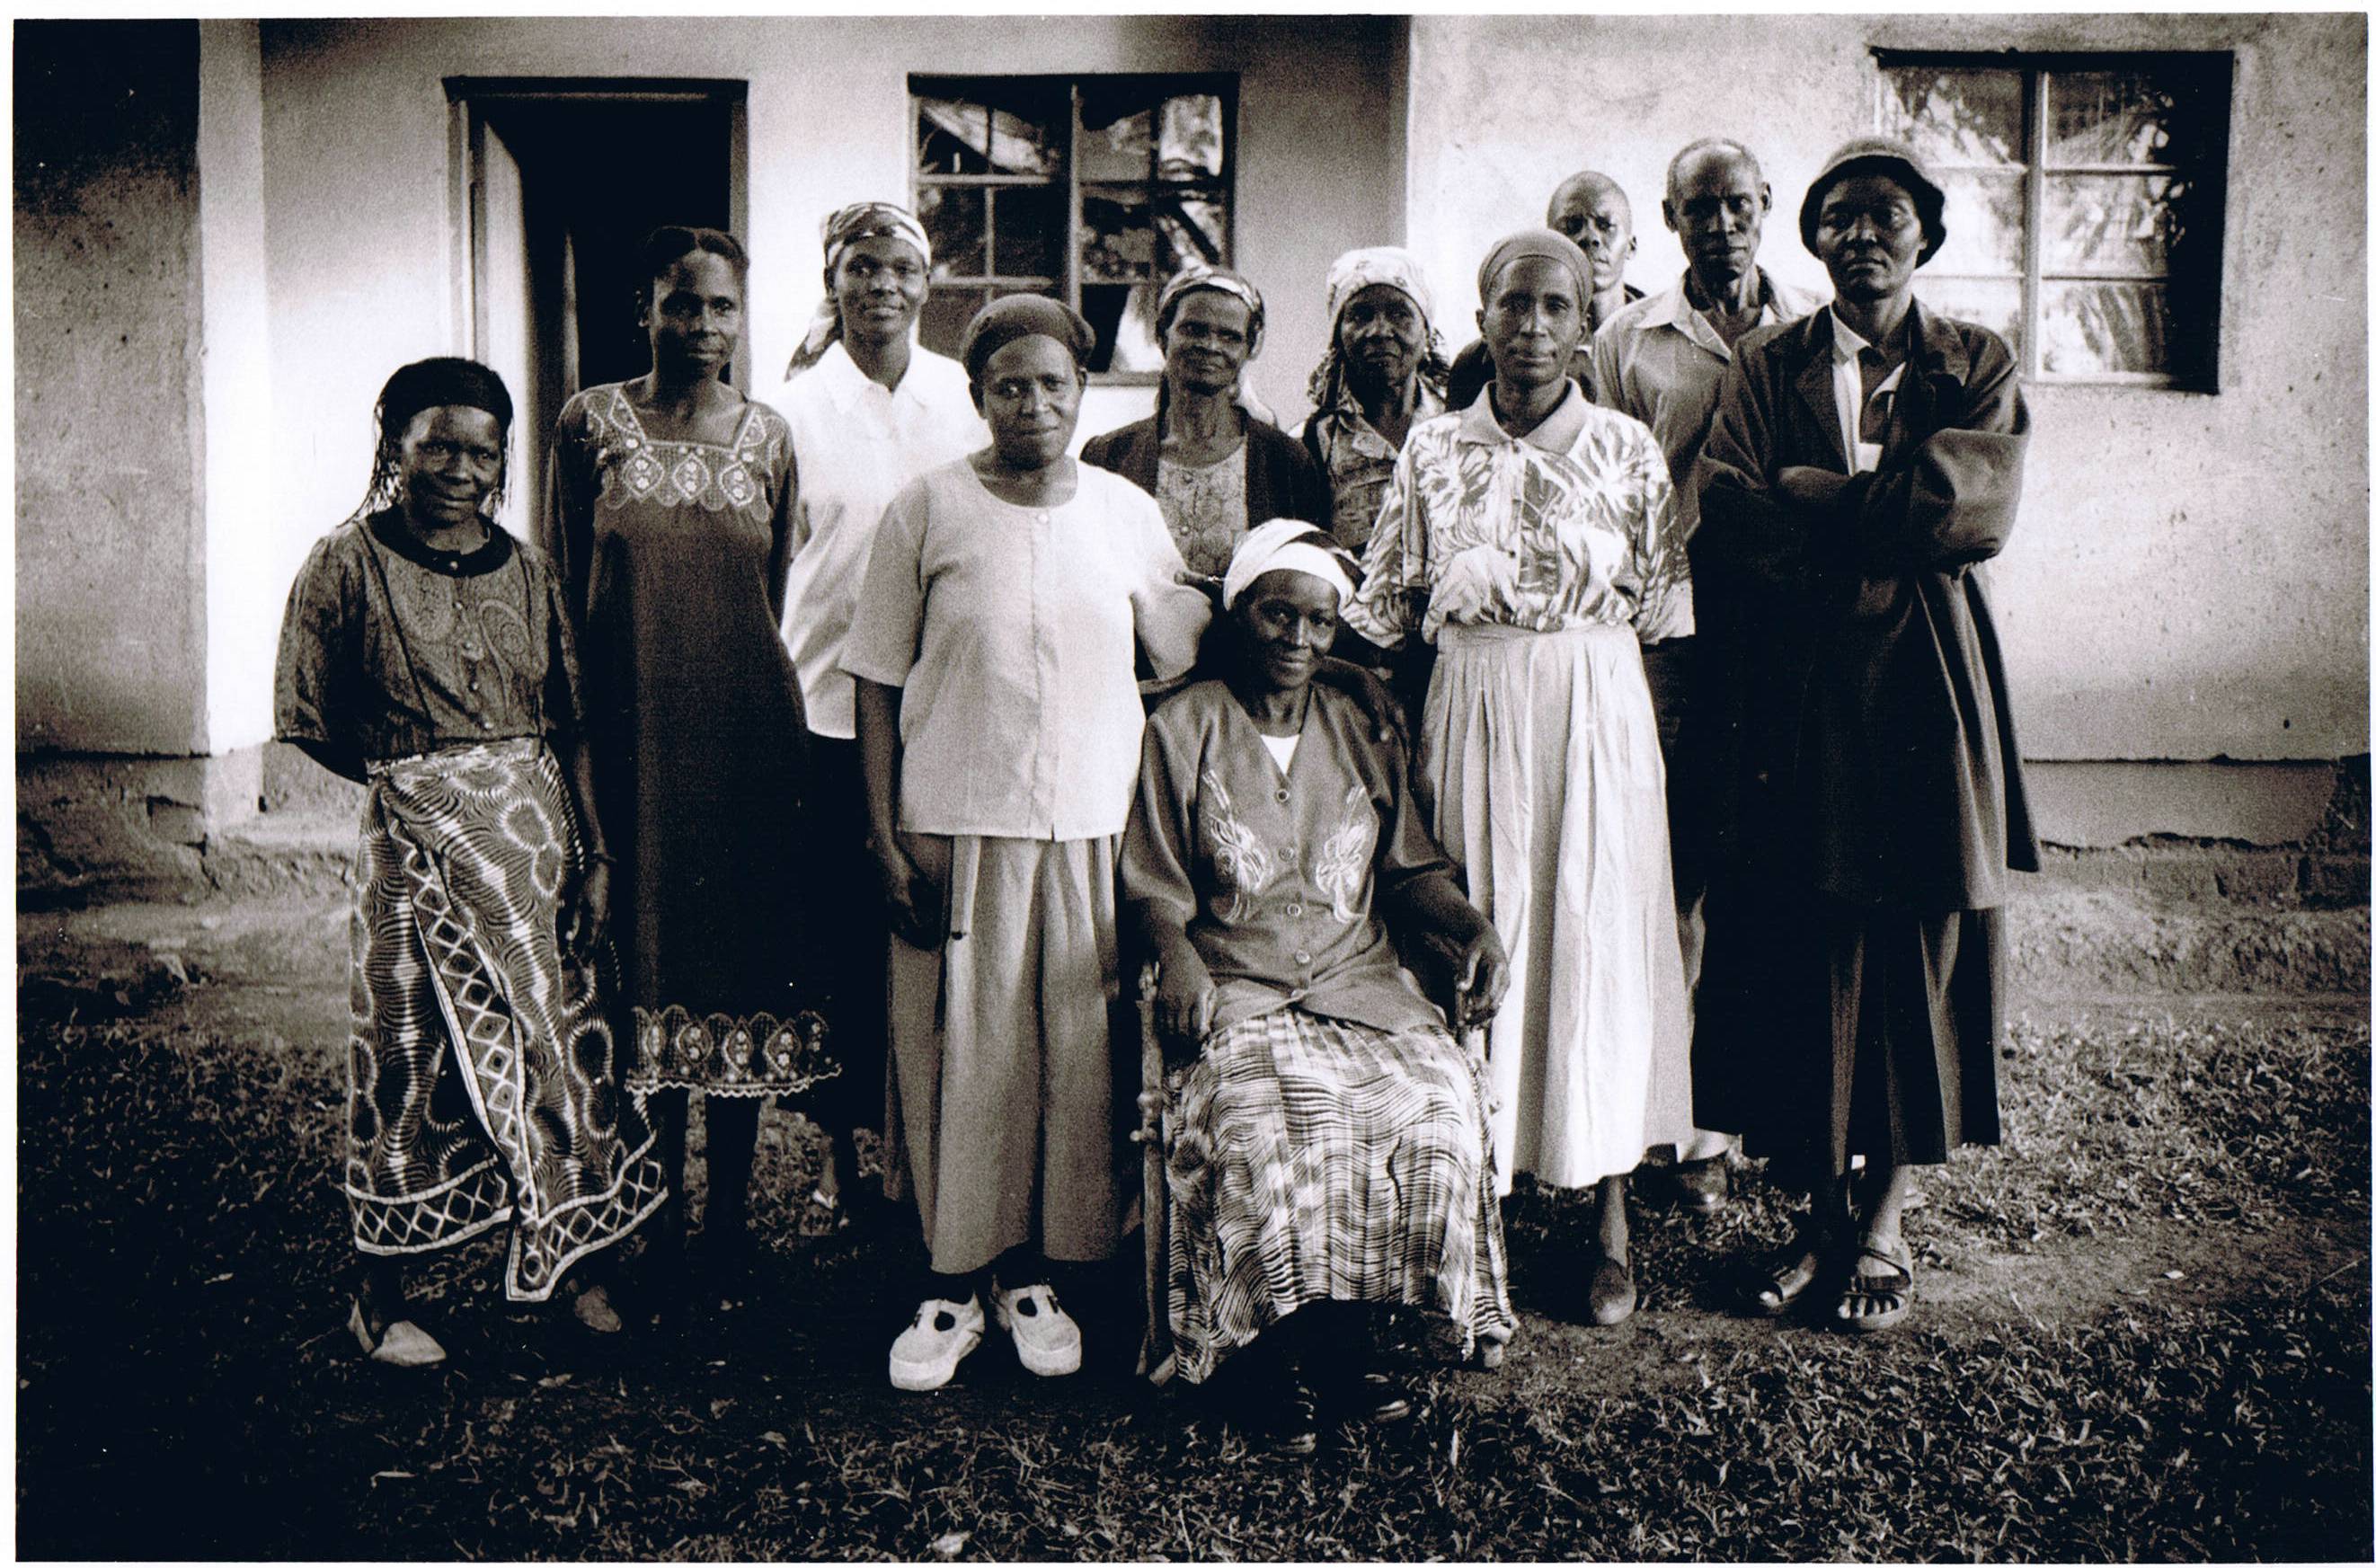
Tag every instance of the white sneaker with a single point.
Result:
(926, 1354)
(1047, 1341)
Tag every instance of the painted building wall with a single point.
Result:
(359, 188)
(111, 620)
(2190, 579)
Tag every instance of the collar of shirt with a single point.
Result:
(1556, 433)
(1849, 394)
(1778, 301)
(1344, 420)
(847, 385)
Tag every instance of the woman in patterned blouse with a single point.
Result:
(1530, 538)
(672, 520)
(1325, 1138)
(428, 657)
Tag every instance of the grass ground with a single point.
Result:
(2142, 1333)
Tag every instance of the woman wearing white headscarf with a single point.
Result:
(869, 409)
(1383, 372)
(1326, 1140)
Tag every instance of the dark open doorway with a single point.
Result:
(564, 178)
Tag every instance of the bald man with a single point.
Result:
(1589, 209)
(1661, 360)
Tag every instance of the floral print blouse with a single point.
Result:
(1571, 524)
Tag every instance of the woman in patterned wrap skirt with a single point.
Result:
(428, 656)
(1324, 1140)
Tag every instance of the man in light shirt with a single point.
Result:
(1661, 360)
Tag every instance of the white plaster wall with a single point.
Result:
(358, 188)
(2191, 577)
(242, 589)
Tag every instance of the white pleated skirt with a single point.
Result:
(1541, 771)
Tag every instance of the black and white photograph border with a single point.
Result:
(2138, 1287)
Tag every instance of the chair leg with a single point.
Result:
(1154, 1344)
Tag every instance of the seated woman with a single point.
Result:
(1327, 1143)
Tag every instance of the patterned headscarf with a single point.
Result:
(1347, 275)
(859, 221)
(1195, 276)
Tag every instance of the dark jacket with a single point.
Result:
(1854, 734)
(1281, 479)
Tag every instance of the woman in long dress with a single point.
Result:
(1325, 1145)
(672, 519)
(430, 658)
(869, 409)
(1864, 464)
(1529, 537)
(1008, 598)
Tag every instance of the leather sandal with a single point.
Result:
(1291, 1427)
(399, 1344)
(1609, 1297)
(1889, 1297)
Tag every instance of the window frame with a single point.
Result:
(2036, 70)
(1222, 85)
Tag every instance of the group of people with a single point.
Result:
(1605, 756)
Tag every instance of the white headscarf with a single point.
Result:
(1286, 544)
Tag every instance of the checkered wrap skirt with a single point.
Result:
(483, 1077)
(1309, 1159)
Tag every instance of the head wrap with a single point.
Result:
(1012, 316)
(1547, 244)
(1347, 275)
(1195, 276)
(1880, 154)
(441, 383)
(1286, 544)
(841, 229)
(1390, 265)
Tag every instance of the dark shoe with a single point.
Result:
(1870, 1302)
(1610, 1297)
(1290, 1427)
(1772, 1284)
(1700, 1186)
(1367, 1395)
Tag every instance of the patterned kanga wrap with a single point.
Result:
(483, 1077)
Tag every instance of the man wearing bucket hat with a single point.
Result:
(1854, 749)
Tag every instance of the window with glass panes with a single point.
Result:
(2084, 204)
(1094, 190)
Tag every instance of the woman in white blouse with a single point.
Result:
(1007, 600)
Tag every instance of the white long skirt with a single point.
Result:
(1541, 771)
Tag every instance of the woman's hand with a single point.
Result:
(1481, 978)
(588, 920)
(1183, 998)
(914, 897)
(1809, 486)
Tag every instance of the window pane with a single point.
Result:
(951, 137)
(1994, 302)
(1028, 231)
(2113, 222)
(1118, 241)
(2101, 328)
(1955, 114)
(1123, 314)
(1121, 149)
(1010, 138)
(953, 218)
(1984, 220)
(2111, 117)
(1188, 145)
(942, 321)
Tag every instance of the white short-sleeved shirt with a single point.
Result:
(855, 442)
(1013, 632)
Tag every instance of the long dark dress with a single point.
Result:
(674, 554)
(1863, 796)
